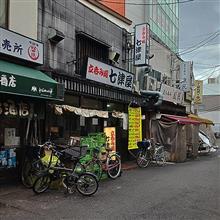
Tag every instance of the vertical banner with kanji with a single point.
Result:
(198, 92)
(135, 127)
(111, 135)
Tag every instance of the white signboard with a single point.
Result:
(172, 94)
(109, 75)
(19, 46)
(185, 73)
(141, 44)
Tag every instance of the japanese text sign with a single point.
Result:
(198, 91)
(185, 75)
(109, 75)
(19, 46)
(135, 127)
(111, 134)
(172, 94)
(141, 44)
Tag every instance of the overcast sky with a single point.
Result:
(200, 21)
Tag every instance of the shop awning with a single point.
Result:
(181, 119)
(200, 119)
(26, 81)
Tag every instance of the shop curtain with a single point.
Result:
(80, 111)
(123, 116)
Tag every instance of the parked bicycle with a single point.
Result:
(32, 163)
(110, 162)
(86, 183)
(150, 151)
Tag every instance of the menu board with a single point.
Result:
(135, 127)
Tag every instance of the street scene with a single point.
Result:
(179, 191)
(110, 109)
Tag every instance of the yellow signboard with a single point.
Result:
(110, 133)
(135, 127)
(198, 91)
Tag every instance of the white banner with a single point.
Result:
(185, 73)
(172, 94)
(141, 44)
(19, 46)
(109, 75)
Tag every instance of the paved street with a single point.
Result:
(187, 190)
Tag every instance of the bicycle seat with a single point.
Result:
(143, 144)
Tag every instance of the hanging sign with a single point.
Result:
(142, 44)
(185, 75)
(19, 46)
(111, 134)
(198, 92)
(135, 127)
(109, 75)
(172, 94)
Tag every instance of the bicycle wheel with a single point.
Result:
(95, 168)
(160, 158)
(113, 166)
(87, 184)
(142, 160)
(30, 170)
(42, 183)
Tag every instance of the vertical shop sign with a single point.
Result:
(185, 76)
(141, 44)
(110, 133)
(198, 91)
(135, 127)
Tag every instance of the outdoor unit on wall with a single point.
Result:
(149, 83)
(113, 56)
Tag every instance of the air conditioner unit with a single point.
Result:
(113, 56)
(149, 83)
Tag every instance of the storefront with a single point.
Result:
(24, 95)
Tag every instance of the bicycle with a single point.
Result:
(86, 183)
(32, 163)
(111, 163)
(150, 151)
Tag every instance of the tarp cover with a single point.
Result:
(173, 136)
(181, 119)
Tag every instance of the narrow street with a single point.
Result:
(187, 190)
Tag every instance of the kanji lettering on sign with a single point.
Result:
(138, 42)
(121, 78)
(113, 76)
(128, 82)
(4, 80)
(6, 45)
(91, 68)
(138, 56)
(96, 70)
(12, 81)
(18, 48)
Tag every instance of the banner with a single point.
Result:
(141, 44)
(198, 91)
(135, 127)
(111, 134)
(185, 76)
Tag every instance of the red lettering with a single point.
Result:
(91, 68)
(96, 70)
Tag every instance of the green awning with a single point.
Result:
(26, 81)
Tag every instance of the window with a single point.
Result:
(3, 13)
(89, 47)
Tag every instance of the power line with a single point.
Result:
(131, 3)
(201, 43)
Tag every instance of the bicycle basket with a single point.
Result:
(76, 151)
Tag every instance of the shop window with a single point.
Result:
(4, 13)
(88, 47)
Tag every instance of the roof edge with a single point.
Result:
(110, 11)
